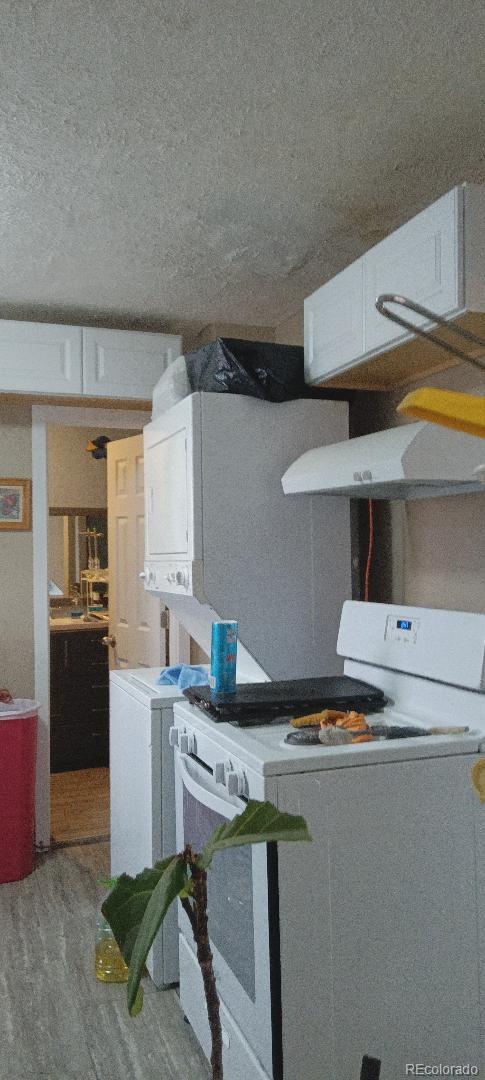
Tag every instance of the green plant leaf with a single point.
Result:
(260, 823)
(138, 1003)
(188, 889)
(125, 906)
(171, 883)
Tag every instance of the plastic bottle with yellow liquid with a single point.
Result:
(109, 964)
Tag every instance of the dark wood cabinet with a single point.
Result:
(79, 710)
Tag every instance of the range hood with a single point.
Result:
(413, 461)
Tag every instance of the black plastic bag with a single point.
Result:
(255, 368)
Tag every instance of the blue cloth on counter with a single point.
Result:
(183, 675)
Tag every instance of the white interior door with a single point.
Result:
(135, 629)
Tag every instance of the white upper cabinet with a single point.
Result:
(334, 323)
(125, 363)
(438, 260)
(39, 358)
(421, 261)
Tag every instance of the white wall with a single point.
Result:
(290, 331)
(75, 478)
(438, 544)
(58, 562)
(16, 600)
(214, 330)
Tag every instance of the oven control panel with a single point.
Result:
(402, 629)
(447, 646)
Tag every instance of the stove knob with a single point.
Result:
(182, 578)
(186, 743)
(236, 783)
(220, 772)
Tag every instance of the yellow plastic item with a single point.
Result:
(450, 408)
(478, 779)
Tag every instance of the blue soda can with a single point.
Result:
(222, 678)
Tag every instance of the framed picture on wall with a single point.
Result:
(15, 500)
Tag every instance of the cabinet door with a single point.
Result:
(125, 364)
(402, 856)
(39, 358)
(79, 697)
(172, 453)
(334, 330)
(390, 916)
(421, 261)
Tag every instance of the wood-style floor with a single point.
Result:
(57, 1022)
(79, 805)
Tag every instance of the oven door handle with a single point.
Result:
(204, 795)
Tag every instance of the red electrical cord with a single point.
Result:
(370, 551)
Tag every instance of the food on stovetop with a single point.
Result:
(353, 720)
(327, 718)
(336, 727)
(335, 736)
(312, 719)
(306, 736)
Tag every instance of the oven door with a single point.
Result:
(239, 918)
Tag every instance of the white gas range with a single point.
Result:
(365, 941)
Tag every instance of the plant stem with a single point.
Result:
(204, 957)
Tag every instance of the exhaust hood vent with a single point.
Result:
(414, 461)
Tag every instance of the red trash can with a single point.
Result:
(18, 745)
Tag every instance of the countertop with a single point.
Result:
(67, 623)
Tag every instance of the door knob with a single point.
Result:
(109, 640)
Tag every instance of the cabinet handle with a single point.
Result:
(403, 301)
(66, 655)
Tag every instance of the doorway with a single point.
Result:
(76, 796)
(79, 618)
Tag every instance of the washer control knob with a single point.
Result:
(220, 772)
(182, 578)
(236, 783)
(186, 743)
(173, 736)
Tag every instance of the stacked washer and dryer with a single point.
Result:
(223, 541)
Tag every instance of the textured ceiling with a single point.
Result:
(219, 159)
